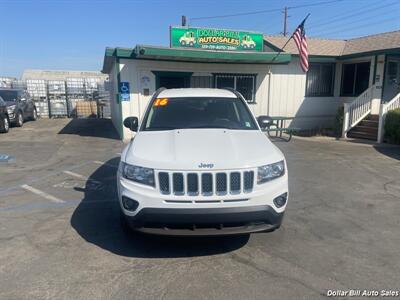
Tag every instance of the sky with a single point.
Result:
(73, 34)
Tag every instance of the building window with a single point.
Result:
(244, 84)
(355, 79)
(320, 80)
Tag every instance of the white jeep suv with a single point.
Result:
(199, 164)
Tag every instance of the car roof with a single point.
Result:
(196, 92)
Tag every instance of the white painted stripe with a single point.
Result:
(76, 175)
(41, 193)
(118, 153)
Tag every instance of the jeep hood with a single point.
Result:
(186, 149)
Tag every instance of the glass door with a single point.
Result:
(392, 79)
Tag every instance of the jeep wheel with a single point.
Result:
(191, 44)
(20, 119)
(183, 43)
(5, 125)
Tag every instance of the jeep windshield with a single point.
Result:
(204, 112)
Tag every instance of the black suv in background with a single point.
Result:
(20, 106)
(4, 122)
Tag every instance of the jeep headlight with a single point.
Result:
(138, 174)
(269, 172)
(10, 109)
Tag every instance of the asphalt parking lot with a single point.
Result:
(60, 236)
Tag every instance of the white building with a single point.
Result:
(363, 72)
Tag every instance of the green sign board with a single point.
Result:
(216, 39)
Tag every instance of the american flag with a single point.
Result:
(299, 37)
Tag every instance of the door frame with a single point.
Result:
(389, 58)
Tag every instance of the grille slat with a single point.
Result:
(177, 183)
(235, 183)
(248, 181)
(163, 179)
(192, 184)
(206, 184)
(221, 185)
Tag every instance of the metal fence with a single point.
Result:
(72, 98)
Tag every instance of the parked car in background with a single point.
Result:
(4, 122)
(20, 106)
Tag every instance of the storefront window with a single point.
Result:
(355, 79)
(244, 84)
(320, 79)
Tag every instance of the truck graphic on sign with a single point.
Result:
(188, 39)
(247, 42)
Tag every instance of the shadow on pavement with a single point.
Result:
(389, 150)
(96, 219)
(91, 127)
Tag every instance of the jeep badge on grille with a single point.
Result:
(206, 166)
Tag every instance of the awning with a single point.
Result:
(195, 55)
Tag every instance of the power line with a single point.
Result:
(262, 11)
(343, 25)
(360, 26)
(357, 13)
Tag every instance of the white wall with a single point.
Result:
(285, 97)
(288, 85)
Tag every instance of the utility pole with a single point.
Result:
(285, 16)
(184, 21)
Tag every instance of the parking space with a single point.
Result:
(60, 234)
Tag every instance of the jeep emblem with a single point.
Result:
(208, 166)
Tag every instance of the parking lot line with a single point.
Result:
(41, 193)
(76, 175)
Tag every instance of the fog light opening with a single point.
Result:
(280, 200)
(129, 204)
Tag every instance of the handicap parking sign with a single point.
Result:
(124, 91)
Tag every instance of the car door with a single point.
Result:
(30, 103)
(23, 104)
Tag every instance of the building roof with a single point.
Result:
(193, 55)
(381, 41)
(326, 47)
(196, 92)
(315, 46)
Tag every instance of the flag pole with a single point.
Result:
(287, 42)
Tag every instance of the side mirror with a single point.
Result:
(264, 121)
(131, 123)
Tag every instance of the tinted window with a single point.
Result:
(320, 80)
(2, 102)
(355, 79)
(9, 95)
(181, 113)
(244, 84)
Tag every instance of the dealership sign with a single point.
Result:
(216, 39)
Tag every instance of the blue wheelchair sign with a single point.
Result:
(124, 91)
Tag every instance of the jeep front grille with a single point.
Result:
(205, 183)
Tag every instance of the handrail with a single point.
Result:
(385, 107)
(357, 110)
